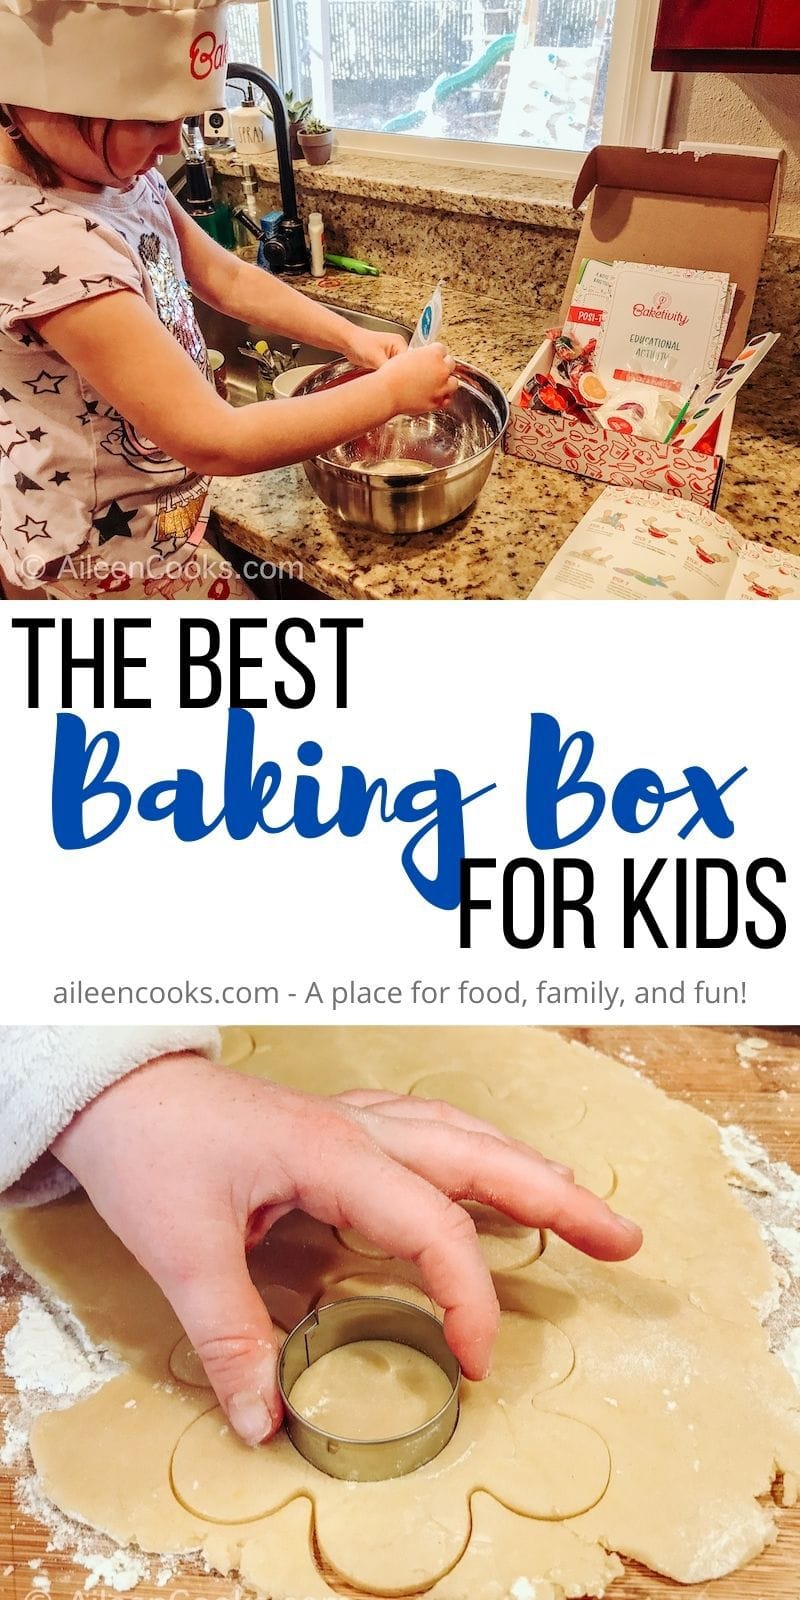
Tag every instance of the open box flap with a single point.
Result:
(711, 212)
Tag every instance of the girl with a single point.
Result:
(109, 428)
(190, 1194)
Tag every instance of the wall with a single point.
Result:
(751, 110)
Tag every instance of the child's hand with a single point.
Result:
(191, 1164)
(421, 380)
(370, 350)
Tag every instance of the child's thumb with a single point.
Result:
(230, 1328)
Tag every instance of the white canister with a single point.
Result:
(252, 130)
(316, 240)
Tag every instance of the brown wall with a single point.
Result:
(744, 109)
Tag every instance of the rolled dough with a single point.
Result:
(633, 1410)
(371, 1390)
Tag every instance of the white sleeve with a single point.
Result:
(48, 1074)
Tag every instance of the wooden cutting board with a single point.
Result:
(760, 1092)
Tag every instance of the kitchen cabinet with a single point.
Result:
(778, 27)
(728, 36)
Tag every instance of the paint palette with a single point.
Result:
(728, 381)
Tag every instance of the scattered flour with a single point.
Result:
(40, 1355)
(14, 1444)
(523, 1589)
(48, 1351)
(771, 1192)
(120, 1572)
(788, 1242)
(743, 1152)
(629, 1058)
(749, 1050)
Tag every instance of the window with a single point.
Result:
(244, 41)
(537, 81)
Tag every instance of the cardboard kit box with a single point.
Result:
(713, 212)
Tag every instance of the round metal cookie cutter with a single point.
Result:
(350, 1322)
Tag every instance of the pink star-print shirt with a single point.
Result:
(80, 490)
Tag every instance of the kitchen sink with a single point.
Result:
(225, 333)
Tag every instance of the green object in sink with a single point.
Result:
(349, 264)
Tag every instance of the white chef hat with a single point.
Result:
(150, 59)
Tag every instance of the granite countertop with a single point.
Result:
(499, 549)
(504, 195)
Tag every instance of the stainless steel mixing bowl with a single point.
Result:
(455, 446)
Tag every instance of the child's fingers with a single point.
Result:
(229, 1326)
(396, 1105)
(514, 1180)
(411, 1219)
(417, 1109)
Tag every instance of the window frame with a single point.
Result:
(637, 105)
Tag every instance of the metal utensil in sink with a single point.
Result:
(412, 474)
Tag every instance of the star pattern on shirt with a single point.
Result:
(115, 523)
(8, 444)
(37, 435)
(90, 226)
(6, 395)
(60, 477)
(25, 484)
(42, 206)
(31, 529)
(89, 413)
(38, 385)
(54, 276)
(28, 339)
(91, 283)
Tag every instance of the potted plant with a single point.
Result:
(296, 110)
(316, 141)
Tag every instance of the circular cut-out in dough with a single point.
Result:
(589, 1169)
(506, 1245)
(215, 1476)
(530, 1356)
(522, 1110)
(186, 1366)
(286, 1307)
(360, 1284)
(373, 1389)
(355, 1241)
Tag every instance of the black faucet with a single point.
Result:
(285, 250)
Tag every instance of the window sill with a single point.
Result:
(490, 192)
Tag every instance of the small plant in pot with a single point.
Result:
(296, 110)
(316, 141)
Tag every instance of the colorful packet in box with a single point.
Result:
(591, 300)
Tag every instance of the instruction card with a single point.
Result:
(634, 545)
